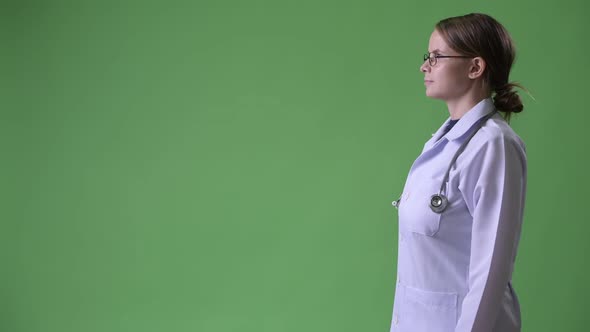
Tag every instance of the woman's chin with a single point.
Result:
(431, 94)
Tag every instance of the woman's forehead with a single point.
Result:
(437, 43)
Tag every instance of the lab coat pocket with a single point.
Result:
(414, 212)
(427, 311)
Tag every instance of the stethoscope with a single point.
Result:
(438, 202)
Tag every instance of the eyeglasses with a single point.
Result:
(432, 57)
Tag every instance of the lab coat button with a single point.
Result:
(395, 319)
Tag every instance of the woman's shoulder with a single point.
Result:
(497, 130)
(495, 145)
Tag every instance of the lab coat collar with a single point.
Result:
(483, 108)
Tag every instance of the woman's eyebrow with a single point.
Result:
(435, 51)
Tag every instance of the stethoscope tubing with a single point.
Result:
(438, 202)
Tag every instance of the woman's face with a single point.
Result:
(448, 79)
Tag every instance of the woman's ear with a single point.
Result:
(477, 67)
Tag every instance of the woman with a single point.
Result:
(460, 213)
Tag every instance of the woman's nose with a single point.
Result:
(425, 67)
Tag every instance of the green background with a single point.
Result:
(229, 165)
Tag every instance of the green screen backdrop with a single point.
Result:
(230, 165)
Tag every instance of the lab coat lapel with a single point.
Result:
(435, 137)
(467, 121)
(431, 148)
(437, 143)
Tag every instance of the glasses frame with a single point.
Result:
(432, 60)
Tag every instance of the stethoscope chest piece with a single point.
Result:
(438, 203)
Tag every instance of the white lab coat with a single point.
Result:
(454, 269)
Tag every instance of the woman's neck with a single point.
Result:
(458, 108)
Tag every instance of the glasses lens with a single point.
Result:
(432, 59)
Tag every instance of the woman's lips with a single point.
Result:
(427, 82)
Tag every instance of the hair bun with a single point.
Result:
(507, 100)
